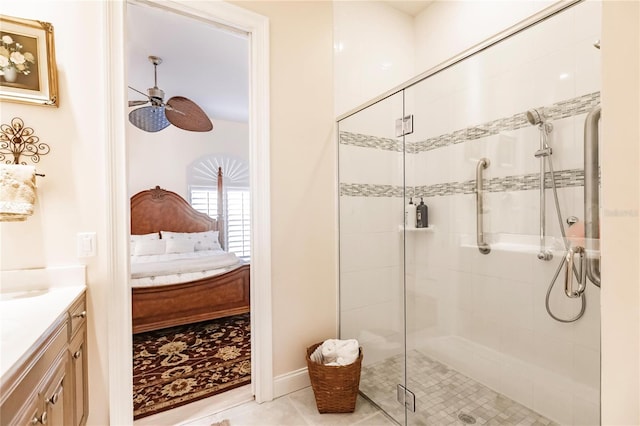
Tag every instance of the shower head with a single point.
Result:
(535, 116)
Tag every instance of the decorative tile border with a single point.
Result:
(371, 190)
(366, 141)
(557, 111)
(564, 179)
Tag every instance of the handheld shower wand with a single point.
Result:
(537, 118)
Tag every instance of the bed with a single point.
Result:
(220, 293)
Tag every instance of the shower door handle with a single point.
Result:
(568, 278)
(482, 245)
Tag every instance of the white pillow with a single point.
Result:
(151, 236)
(149, 247)
(133, 239)
(176, 245)
(207, 240)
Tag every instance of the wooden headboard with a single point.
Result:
(157, 210)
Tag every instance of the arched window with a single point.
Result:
(202, 179)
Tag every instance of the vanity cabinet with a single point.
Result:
(78, 360)
(49, 387)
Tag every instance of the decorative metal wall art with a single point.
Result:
(16, 140)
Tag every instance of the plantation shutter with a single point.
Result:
(205, 200)
(236, 215)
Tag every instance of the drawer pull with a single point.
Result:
(77, 354)
(54, 399)
(42, 419)
(82, 314)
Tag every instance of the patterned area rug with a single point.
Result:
(178, 365)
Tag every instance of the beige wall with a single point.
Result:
(162, 158)
(620, 151)
(303, 170)
(71, 196)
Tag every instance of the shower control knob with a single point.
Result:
(545, 255)
(571, 220)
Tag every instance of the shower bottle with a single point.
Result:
(410, 215)
(422, 215)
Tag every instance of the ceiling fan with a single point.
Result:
(178, 110)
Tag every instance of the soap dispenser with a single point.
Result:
(410, 215)
(422, 215)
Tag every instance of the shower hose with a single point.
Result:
(583, 298)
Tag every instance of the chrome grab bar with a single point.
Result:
(568, 277)
(484, 248)
(592, 195)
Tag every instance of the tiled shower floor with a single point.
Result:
(442, 395)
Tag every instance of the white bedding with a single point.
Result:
(177, 268)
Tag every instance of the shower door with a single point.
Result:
(481, 344)
(372, 192)
(467, 320)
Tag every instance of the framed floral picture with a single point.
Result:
(28, 71)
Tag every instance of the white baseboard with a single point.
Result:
(290, 382)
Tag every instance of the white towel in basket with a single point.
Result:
(337, 352)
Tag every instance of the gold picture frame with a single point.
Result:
(28, 71)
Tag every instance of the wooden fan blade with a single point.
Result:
(186, 115)
(137, 103)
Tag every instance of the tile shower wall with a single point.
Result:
(483, 315)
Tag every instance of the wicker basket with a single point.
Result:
(335, 387)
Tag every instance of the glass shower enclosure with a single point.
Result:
(482, 311)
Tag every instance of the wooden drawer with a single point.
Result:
(77, 316)
(26, 383)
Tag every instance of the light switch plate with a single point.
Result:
(86, 244)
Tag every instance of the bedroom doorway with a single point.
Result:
(164, 159)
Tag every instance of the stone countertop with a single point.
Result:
(26, 314)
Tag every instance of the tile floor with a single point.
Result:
(295, 409)
(442, 395)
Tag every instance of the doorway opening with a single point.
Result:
(255, 27)
(190, 282)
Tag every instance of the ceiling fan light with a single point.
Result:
(149, 118)
(155, 93)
